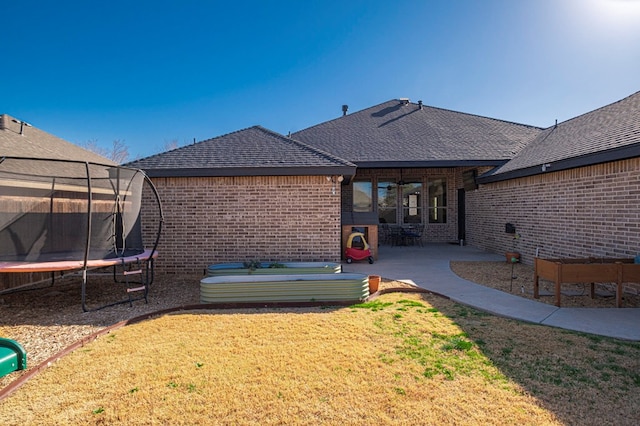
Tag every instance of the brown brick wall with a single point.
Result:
(584, 212)
(233, 219)
(591, 211)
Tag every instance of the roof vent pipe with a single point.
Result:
(344, 109)
(22, 125)
(420, 104)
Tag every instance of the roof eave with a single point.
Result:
(346, 171)
(427, 164)
(616, 154)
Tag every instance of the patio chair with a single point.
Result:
(413, 235)
(384, 234)
(397, 236)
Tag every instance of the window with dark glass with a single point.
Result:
(412, 202)
(387, 201)
(437, 200)
(362, 196)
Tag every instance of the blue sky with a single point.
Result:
(151, 72)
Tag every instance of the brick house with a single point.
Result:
(570, 190)
(412, 163)
(573, 191)
(242, 203)
(249, 195)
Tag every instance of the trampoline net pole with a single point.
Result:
(88, 240)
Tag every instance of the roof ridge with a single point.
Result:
(228, 134)
(343, 116)
(530, 126)
(157, 154)
(303, 145)
(425, 106)
(38, 143)
(616, 126)
(596, 110)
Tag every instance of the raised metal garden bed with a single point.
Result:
(284, 288)
(273, 268)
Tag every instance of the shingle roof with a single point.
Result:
(605, 134)
(253, 151)
(402, 132)
(34, 143)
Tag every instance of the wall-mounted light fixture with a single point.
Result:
(334, 180)
(545, 166)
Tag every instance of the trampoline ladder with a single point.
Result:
(143, 282)
(127, 270)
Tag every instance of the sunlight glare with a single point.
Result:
(615, 14)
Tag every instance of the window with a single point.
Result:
(362, 196)
(412, 202)
(438, 200)
(387, 201)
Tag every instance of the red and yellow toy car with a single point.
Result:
(357, 248)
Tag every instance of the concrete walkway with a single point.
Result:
(428, 267)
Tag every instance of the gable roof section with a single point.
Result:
(18, 139)
(254, 151)
(398, 133)
(606, 134)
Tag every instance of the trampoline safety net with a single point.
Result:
(56, 210)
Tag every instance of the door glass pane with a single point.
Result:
(362, 195)
(387, 201)
(438, 201)
(412, 202)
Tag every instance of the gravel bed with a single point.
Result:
(46, 319)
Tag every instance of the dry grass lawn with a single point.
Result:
(399, 359)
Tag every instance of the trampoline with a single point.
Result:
(65, 215)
